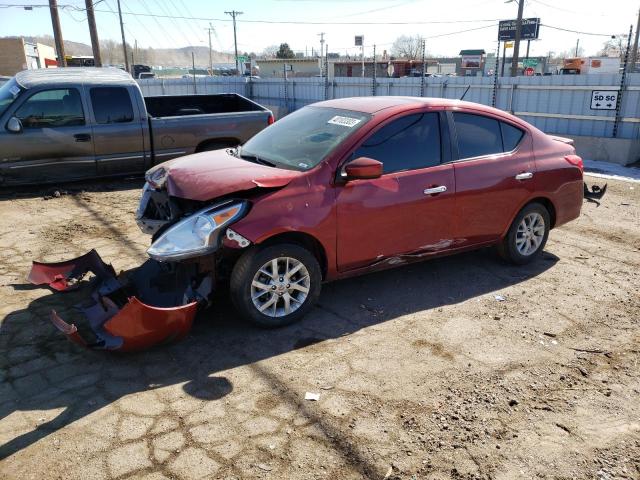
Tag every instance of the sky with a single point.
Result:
(298, 23)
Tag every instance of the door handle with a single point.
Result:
(82, 137)
(524, 176)
(434, 190)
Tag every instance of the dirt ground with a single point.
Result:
(422, 372)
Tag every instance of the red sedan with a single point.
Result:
(347, 186)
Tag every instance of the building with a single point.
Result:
(17, 55)
(296, 67)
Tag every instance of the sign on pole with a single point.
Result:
(604, 99)
(529, 31)
(530, 62)
(359, 40)
(529, 71)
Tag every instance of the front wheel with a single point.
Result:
(276, 285)
(527, 235)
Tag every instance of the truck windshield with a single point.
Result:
(8, 93)
(304, 138)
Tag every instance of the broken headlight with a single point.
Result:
(197, 234)
(156, 177)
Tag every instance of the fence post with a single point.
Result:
(162, 85)
(495, 75)
(326, 72)
(623, 79)
(373, 85)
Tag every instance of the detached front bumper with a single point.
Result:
(153, 304)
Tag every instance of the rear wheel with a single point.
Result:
(275, 285)
(527, 235)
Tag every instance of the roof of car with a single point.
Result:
(375, 104)
(73, 75)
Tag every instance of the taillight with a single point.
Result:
(271, 119)
(575, 160)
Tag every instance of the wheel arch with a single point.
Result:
(544, 201)
(304, 240)
(221, 142)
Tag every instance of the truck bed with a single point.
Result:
(181, 105)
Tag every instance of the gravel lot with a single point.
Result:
(422, 372)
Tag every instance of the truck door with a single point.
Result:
(54, 143)
(118, 134)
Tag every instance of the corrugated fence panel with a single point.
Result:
(556, 104)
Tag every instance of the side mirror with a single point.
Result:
(14, 125)
(363, 168)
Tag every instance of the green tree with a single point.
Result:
(285, 52)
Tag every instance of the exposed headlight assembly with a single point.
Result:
(157, 177)
(198, 234)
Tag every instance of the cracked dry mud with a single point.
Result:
(422, 373)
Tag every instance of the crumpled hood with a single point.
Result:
(207, 175)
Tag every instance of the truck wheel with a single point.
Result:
(276, 285)
(527, 235)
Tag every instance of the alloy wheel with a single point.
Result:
(280, 286)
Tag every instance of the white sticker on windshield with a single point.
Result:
(344, 121)
(14, 91)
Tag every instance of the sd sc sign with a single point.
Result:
(604, 99)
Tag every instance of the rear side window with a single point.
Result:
(52, 108)
(111, 105)
(409, 143)
(511, 136)
(477, 135)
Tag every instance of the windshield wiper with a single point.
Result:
(256, 159)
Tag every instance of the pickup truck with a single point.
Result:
(76, 123)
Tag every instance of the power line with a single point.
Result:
(576, 31)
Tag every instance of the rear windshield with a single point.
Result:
(8, 93)
(305, 137)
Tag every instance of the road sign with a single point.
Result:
(529, 71)
(242, 58)
(359, 40)
(530, 62)
(604, 99)
(508, 45)
(529, 31)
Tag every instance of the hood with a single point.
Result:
(207, 175)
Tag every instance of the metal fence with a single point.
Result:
(556, 104)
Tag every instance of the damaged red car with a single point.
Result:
(348, 186)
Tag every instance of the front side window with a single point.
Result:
(477, 135)
(8, 93)
(111, 105)
(408, 143)
(52, 108)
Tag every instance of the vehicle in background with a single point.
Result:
(79, 61)
(347, 186)
(75, 123)
(139, 69)
(146, 75)
(582, 66)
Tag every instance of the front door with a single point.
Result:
(117, 131)
(55, 142)
(494, 176)
(408, 210)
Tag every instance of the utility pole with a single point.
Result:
(634, 52)
(57, 33)
(234, 14)
(124, 41)
(321, 35)
(516, 46)
(93, 32)
(210, 51)
(577, 46)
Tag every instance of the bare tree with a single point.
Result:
(615, 46)
(407, 46)
(270, 51)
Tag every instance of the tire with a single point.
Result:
(253, 285)
(516, 250)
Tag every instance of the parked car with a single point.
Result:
(344, 187)
(69, 124)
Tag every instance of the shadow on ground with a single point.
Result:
(41, 370)
(72, 188)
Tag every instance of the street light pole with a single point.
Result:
(234, 14)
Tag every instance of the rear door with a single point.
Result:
(117, 131)
(494, 174)
(409, 209)
(55, 143)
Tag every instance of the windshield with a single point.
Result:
(8, 93)
(303, 138)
